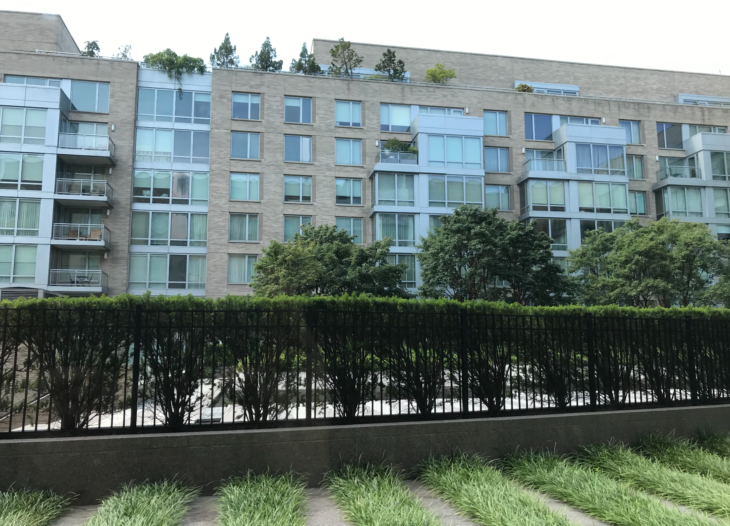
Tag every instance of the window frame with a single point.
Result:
(351, 104)
(190, 159)
(176, 99)
(665, 198)
(527, 201)
(388, 127)
(169, 241)
(500, 196)
(397, 201)
(451, 112)
(397, 241)
(454, 164)
(247, 277)
(394, 259)
(249, 103)
(16, 218)
(22, 138)
(725, 191)
(631, 161)
(531, 127)
(7, 184)
(248, 186)
(301, 224)
(633, 131)
(585, 121)
(248, 146)
(665, 127)
(452, 178)
(726, 163)
(601, 171)
(47, 83)
(96, 102)
(713, 129)
(302, 140)
(12, 277)
(634, 202)
(301, 109)
(352, 182)
(170, 199)
(247, 229)
(498, 116)
(595, 209)
(350, 231)
(352, 148)
(551, 234)
(301, 188)
(167, 281)
(499, 149)
(615, 223)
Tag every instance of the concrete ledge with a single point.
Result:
(93, 467)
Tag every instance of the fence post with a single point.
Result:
(591, 347)
(310, 322)
(689, 337)
(135, 365)
(464, 364)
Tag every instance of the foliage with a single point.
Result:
(396, 145)
(31, 508)
(686, 456)
(475, 249)
(265, 59)
(439, 74)
(225, 55)
(262, 500)
(175, 65)
(667, 262)
(524, 88)
(306, 64)
(124, 53)
(344, 59)
(394, 68)
(325, 261)
(91, 49)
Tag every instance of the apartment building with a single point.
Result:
(115, 178)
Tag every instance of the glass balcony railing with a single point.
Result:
(78, 278)
(86, 142)
(543, 165)
(388, 157)
(682, 172)
(81, 232)
(85, 187)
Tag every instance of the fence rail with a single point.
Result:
(72, 371)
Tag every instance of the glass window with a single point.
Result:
(543, 196)
(164, 105)
(723, 233)
(20, 217)
(160, 271)
(241, 268)
(298, 110)
(18, 263)
(685, 168)
(293, 224)
(588, 121)
(201, 108)
(408, 281)
(435, 110)
(496, 159)
(154, 145)
(347, 113)
(169, 229)
(90, 96)
(457, 152)
(669, 136)
(495, 123)
(348, 191)
(21, 171)
(348, 151)
(545, 160)
(243, 227)
(633, 133)
(602, 197)
(679, 201)
(395, 189)
(434, 222)
(720, 165)
(637, 203)
(454, 190)
(399, 227)
(556, 229)
(164, 187)
(246, 106)
(297, 149)
(245, 145)
(191, 147)
(538, 127)
(497, 196)
(297, 189)
(722, 208)
(20, 125)
(31, 81)
(600, 159)
(244, 187)
(395, 118)
(351, 225)
(635, 166)
(589, 225)
(695, 129)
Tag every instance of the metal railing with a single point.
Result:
(86, 142)
(543, 165)
(388, 157)
(682, 172)
(85, 187)
(253, 368)
(81, 232)
(78, 278)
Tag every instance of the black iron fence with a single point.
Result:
(78, 371)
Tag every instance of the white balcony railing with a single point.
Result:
(543, 165)
(388, 157)
(78, 278)
(85, 187)
(86, 142)
(81, 232)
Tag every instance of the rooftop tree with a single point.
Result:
(175, 65)
(439, 74)
(225, 55)
(306, 64)
(344, 59)
(265, 59)
(91, 49)
(394, 68)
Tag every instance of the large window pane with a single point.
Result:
(25, 261)
(83, 96)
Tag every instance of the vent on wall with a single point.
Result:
(14, 294)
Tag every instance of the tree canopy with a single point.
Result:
(475, 250)
(326, 261)
(306, 63)
(439, 74)
(394, 68)
(225, 55)
(344, 59)
(265, 59)
(91, 49)
(173, 64)
(666, 262)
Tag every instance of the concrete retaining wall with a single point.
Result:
(92, 467)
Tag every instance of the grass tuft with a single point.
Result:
(595, 493)
(147, 504)
(681, 454)
(481, 492)
(695, 491)
(372, 495)
(262, 500)
(715, 442)
(31, 508)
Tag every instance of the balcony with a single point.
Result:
(86, 149)
(543, 165)
(388, 157)
(681, 172)
(78, 281)
(81, 192)
(76, 235)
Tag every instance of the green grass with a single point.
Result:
(482, 493)
(376, 496)
(694, 491)
(681, 454)
(159, 504)
(262, 500)
(595, 493)
(31, 508)
(715, 442)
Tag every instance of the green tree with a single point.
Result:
(91, 49)
(225, 55)
(306, 64)
(326, 261)
(439, 74)
(265, 60)
(474, 249)
(175, 65)
(395, 68)
(524, 88)
(344, 59)
(124, 53)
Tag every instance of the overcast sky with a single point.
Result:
(641, 33)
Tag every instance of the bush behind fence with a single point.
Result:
(128, 363)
